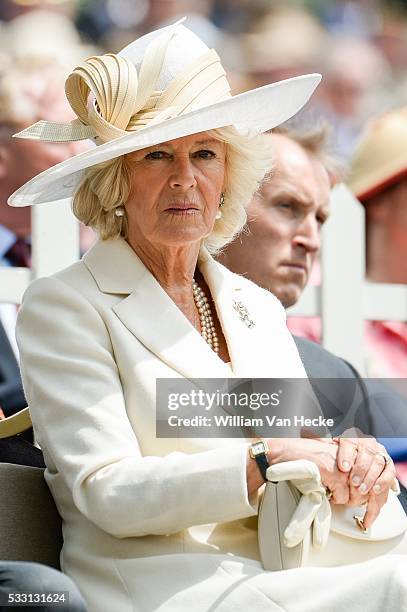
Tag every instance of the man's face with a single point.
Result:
(284, 224)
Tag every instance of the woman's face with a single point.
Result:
(175, 190)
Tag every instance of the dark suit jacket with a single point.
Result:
(320, 363)
(11, 390)
(377, 407)
(339, 388)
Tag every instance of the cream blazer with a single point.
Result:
(142, 517)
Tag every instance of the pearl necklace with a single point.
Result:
(208, 331)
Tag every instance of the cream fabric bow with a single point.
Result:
(313, 509)
(111, 99)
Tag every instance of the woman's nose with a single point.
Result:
(182, 174)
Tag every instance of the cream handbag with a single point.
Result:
(299, 527)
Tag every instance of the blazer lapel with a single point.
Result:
(259, 343)
(235, 314)
(263, 350)
(150, 314)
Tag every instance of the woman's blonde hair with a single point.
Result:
(106, 186)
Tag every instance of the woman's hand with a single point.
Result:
(370, 471)
(356, 470)
(323, 453)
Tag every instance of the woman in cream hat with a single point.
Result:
(169, 523)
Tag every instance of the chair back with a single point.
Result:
(30, 526)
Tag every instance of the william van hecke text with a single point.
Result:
(244, 421)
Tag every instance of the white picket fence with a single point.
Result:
(343, 301)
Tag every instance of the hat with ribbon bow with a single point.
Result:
(165, 85)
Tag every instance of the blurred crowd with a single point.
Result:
(360, 47)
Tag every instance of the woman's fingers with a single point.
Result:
(378, 494)
(366, 470)
(357, 471)
(380, 473)
(347, 452)
(374, 505)
(371, 474)
(372, 511)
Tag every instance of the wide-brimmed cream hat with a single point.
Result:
(380, 159)
(165, 85)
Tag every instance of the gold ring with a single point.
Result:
(329, 493)
(387, 458)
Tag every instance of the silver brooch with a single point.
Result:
(243, 314)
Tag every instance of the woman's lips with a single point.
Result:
(184, 209)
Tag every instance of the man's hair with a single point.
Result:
(315, 142)
(106, 186)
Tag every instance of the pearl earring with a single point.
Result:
(119, 211)
(221, 203)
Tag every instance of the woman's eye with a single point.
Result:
(156, 155)
(205, 154)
